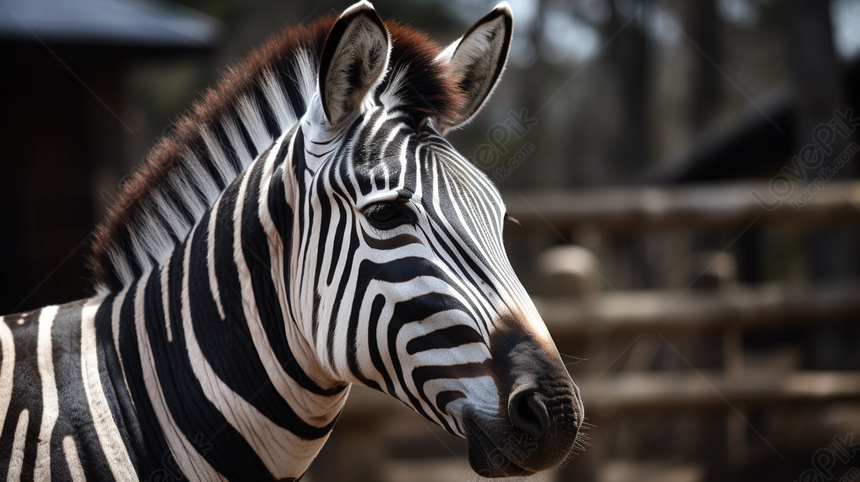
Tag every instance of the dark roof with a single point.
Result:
(747, 145)
(132, 23)
(752, 146)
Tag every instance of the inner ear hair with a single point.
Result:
(477, 61)
(353, 61)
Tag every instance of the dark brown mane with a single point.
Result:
(426, 91)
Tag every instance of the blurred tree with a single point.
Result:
(628, 56)
(819, 91)
(816, 73)
(704, 31)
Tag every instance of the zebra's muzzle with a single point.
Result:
(538, 416)
(487, 459)
(538, 436)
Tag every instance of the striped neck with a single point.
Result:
(219, 375)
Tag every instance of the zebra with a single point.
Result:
(304, 228)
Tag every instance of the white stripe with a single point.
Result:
(192, 464)
(210, 258)
(164, 275)
(16, 463)
(299, 400)
(7, 369)
(419, 182)
(283, 453)
(50, 403)
(276, 250)
(70, 451)
(106, 430)
(118, 300)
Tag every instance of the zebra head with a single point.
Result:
(399, 265)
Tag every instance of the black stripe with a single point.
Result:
(156, 448)
(325, 210)
(448, 396)
(283, 219)
(74, 417)
(255, 249)
(450, 337)
(26, 391)
(343, 209)
(115, 391)
(216, 338)
(393, 242)
(424, 374)
(375, 355)
(417, 309)
(195, 416)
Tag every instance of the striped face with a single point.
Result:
(405, 284)
(412, 293)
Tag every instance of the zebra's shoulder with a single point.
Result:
(56, 316)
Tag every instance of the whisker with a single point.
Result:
(579, 359)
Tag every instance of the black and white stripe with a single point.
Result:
(315, 253)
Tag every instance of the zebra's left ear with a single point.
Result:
(353, 61)
(477, 60)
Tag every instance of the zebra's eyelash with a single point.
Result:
(401, 214)
(513, 220)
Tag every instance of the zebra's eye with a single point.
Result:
(388, 215)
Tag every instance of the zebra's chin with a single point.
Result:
(487, 459)
(501, 450)
(529, 421)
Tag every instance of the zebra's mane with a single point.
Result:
(220, 135)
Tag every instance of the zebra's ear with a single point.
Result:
(353, 61)
(477, 60)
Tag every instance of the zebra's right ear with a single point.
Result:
(353, 61)
(477, 61)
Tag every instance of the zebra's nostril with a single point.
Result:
(529, 413)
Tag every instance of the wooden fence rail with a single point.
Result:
(696, 311)
(697, 206)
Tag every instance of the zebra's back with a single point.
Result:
(63, 414)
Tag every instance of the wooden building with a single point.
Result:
(63, 128)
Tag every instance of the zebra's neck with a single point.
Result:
(220, 376)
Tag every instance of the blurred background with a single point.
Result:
(684, 173)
